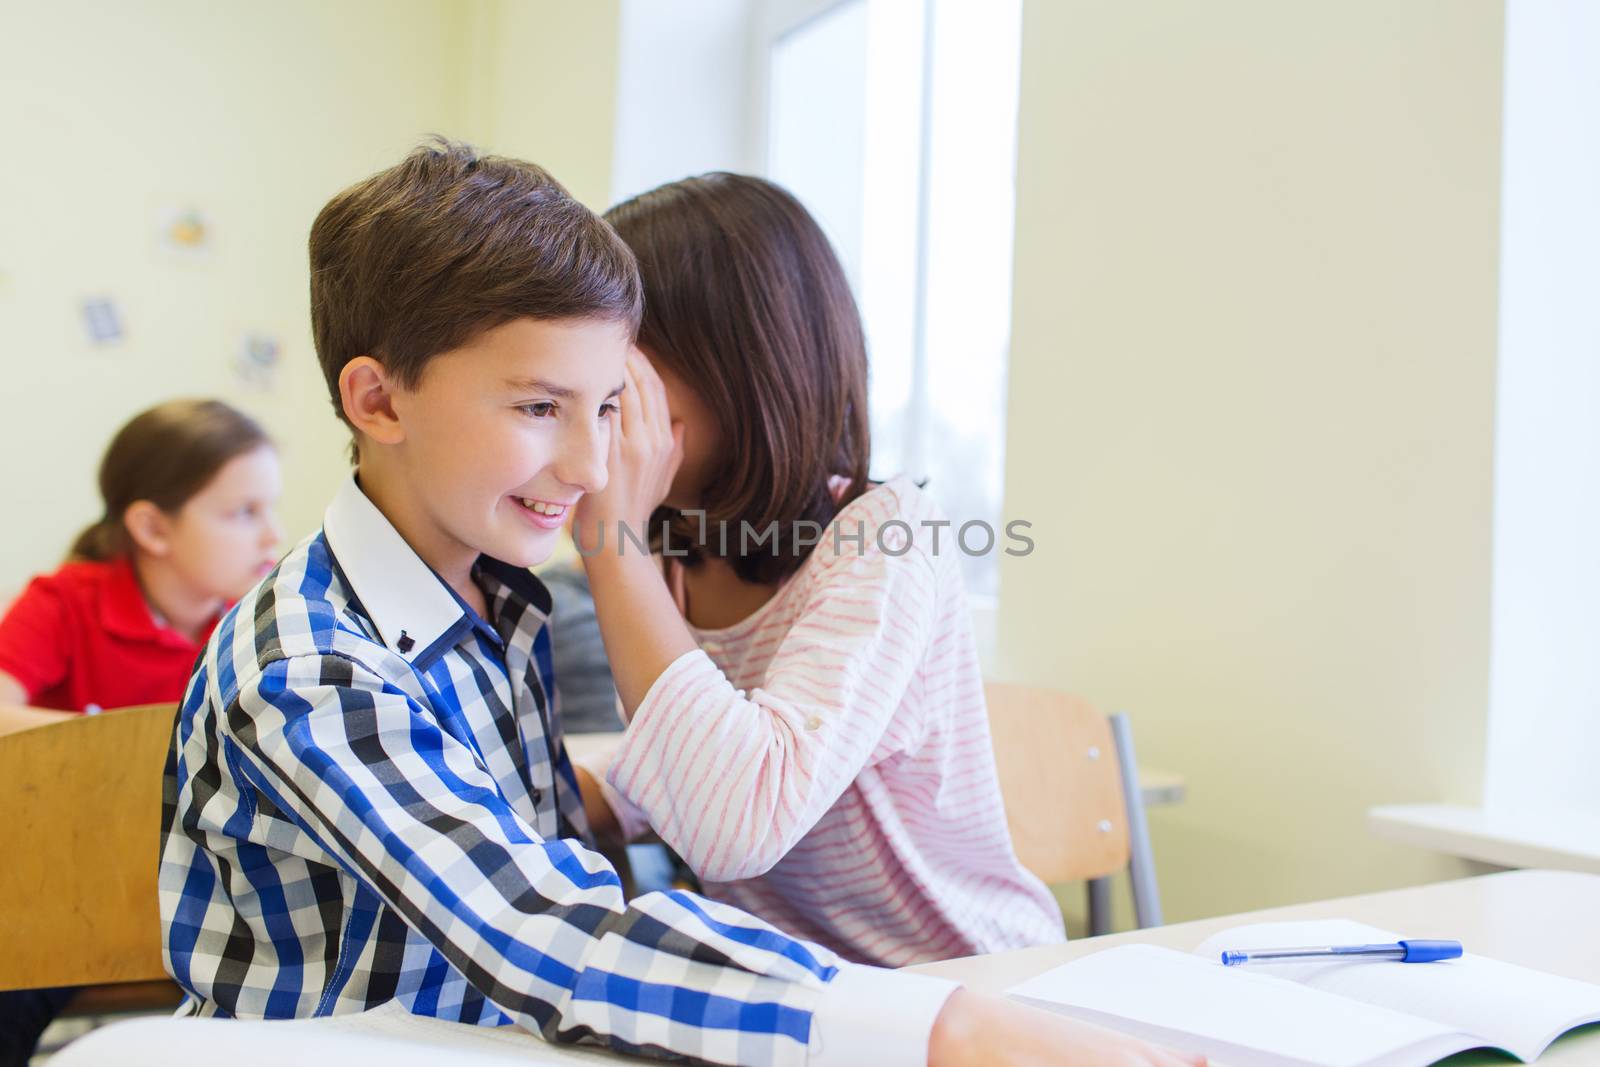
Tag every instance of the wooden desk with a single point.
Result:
(1544, 919)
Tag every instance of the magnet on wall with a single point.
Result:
(184, 231)
(102, 322)
(255, 362)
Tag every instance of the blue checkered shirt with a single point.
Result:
(367, 799)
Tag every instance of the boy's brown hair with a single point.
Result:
(746, 302)
(421, 258)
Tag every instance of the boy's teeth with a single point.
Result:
(543, 508)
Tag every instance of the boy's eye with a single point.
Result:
(543, 409)
(608, 408)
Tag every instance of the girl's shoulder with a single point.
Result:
(81, 578)
(75, 594)
(893, 519)
(899, 504)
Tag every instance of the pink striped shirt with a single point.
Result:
(825, 763)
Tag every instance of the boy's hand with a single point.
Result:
(979, 1031)
(602, 820)
(646, 449)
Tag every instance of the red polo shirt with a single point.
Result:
(84, 635)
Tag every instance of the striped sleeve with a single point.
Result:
(733, 780)
(538, 926)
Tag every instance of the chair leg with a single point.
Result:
(1099, 906)
(1141, 861)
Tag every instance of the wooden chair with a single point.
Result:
(80, 822)
(1071, 787)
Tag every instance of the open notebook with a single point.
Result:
(1351, 1014)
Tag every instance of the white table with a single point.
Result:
(1544, 919)
(1537, 918)
(1564, 840)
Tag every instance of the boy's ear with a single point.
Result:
(366, 393)
(149, 528)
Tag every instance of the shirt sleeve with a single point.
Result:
(538, 926)
(34, 645)
(730, 780)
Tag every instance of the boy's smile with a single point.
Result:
(497, 441)
(545, 514)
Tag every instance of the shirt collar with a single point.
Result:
(406, 599)
(415, 611)
(513, 591)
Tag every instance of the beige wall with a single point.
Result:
(1250, 387)
(256, 113)
(1251, 413)
(544, 81)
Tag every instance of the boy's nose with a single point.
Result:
(583, 460)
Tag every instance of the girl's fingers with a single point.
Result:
(630, 418)
(653, 394)
(614, 448)
(675, 457)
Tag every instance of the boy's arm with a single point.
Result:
(596, 807)
(540, 927)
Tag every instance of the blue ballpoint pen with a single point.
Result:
(1399, 952)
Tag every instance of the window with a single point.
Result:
(895, 122)
(1544, 689)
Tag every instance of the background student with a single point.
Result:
(808, 729)
(189, 488)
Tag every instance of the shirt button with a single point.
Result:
(813, 724)
(538, 795)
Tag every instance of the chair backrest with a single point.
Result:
(80, 815)
(1058, 769)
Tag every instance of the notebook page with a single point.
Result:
(1237, 1017)
(1515, 1008)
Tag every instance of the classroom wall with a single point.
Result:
(116, 114)
(542, 85)
(1251, 410)
(1250, 386)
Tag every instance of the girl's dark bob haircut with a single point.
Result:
(745, 301)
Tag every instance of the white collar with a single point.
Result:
(406, 599)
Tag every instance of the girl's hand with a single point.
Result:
(979, 1031)
(646, 449)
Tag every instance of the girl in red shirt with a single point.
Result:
(189, 489)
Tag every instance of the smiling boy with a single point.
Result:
(368, 798)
